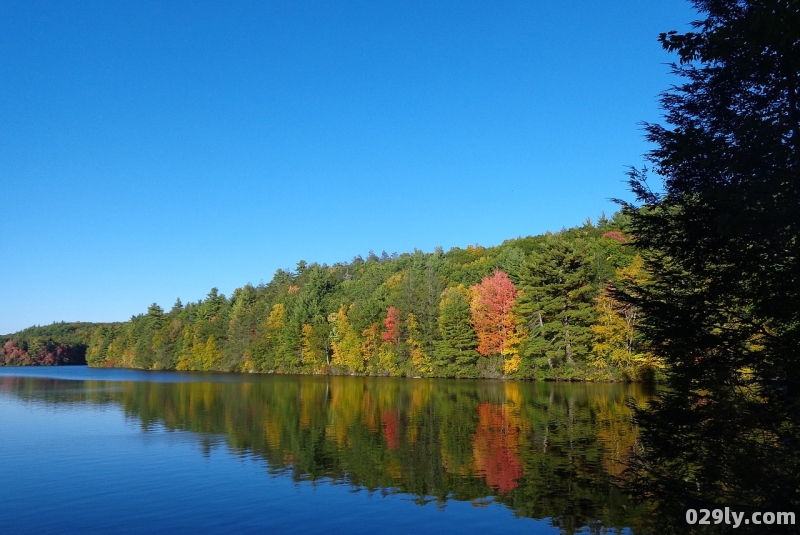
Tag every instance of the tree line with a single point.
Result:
(51, 345)
(539, 307)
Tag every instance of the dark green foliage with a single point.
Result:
(455, 352)
(723, 308)
(421, 293)
(556, 305)
(241, 326)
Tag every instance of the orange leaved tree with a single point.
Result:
(492, 313)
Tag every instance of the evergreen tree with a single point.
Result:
(556, 304)
(177, 307)
(422, 289)
(455, 354)
(241, 327)
(145, 328)
(723, 309)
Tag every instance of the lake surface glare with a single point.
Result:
(87, 450)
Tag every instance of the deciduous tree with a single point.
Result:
(492, 312)
(392, 326)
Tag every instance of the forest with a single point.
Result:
(51, 345)
(540, 307)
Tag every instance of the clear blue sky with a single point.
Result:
(151, 150)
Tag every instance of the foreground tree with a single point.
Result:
(723, 309)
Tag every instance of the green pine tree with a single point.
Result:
(555, 304)
(455, 354)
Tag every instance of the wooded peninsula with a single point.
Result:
(540, 307)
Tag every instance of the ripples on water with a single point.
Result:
(88, 450)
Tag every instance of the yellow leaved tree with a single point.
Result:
(345, 342)
(615, 335)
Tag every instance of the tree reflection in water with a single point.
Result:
(545, 450)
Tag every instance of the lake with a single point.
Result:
(87, 450)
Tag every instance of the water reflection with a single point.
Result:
(544, 450)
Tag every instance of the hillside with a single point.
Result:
(538, 307)
(49, 345)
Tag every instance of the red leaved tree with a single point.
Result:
(491, 307)
(615, 235)
(494, 448)
(13, 355)
(391, 429)
(392, 325)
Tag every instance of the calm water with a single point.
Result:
(98, 451)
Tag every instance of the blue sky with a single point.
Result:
(153, 150)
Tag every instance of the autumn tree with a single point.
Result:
(13, 355)
(421, 359)
(346, 344)
(315, 347)
(617, 341)
(372, 341)
(391, 325)
(266, 351)
(492, 314)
